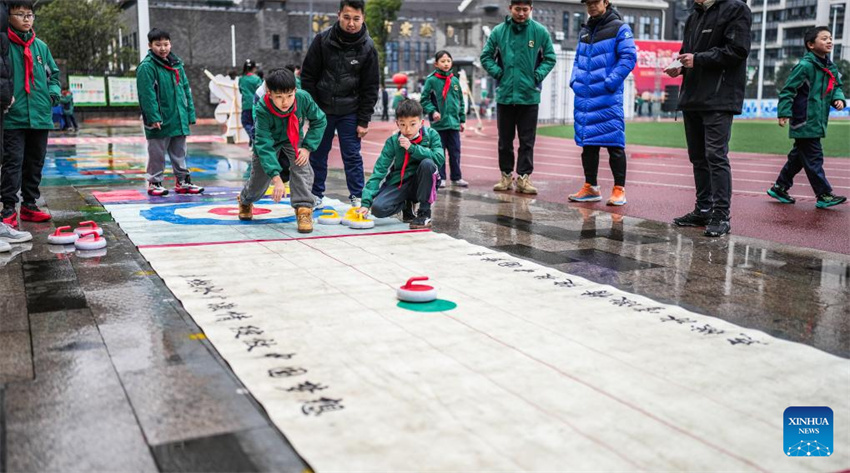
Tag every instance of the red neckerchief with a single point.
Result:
(292, 131)
(831, 83)
(448, 82)
(415, 141)
(175, 71)
(28, 64)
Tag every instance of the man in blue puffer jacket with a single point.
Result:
(606, 55)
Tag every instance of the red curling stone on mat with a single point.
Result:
(61, 238)
(86, 243)
(88, 226)
(411, 292)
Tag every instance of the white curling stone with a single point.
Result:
(405, 295)
(65, 239)
(88, 244)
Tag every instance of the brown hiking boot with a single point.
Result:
(305, 219)
(505, 183)
(524, 186)
(246, 211)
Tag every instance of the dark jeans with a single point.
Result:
(510, 120)
(349, 145)
(616, 158)
(421, 188)
(70, 121)
(451, 145)
(248, 123)
(708, 136)
(807, 154)
(23, 160)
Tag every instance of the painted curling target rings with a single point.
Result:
(88, 226)
(61, 238)
(330, 217)
(411, 292)
(90, 241)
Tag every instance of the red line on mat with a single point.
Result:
(235, 242)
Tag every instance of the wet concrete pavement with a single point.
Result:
(101, 369)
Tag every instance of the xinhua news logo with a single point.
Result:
(808, 431)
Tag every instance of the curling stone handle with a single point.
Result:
(330, 212)
(59, 230)
(414, 279)
(88, 223)
(96, 236)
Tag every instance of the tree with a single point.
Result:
(80, 32)
(378, 13)
(782, 74)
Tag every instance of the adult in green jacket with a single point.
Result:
(812, 88)
(167, 111)
(248, 85)
(519, 55)
(29, 120)
(279, 140)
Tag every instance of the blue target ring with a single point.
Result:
(168, 213)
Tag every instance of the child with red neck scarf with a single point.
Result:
(29, 119)
(407, 171)
(442, 101)
(165, 98)
(279, 118)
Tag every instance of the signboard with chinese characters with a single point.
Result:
(122, 91)
(89, 91)
(652, 58)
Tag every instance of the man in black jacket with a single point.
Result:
(6, 86)
(714, 65)
(341, 73)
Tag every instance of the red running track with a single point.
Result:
(660, 186)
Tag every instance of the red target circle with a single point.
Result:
(233, 212)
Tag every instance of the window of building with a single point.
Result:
(407, 55)
(392, 56)
(645, 30)
(275, 41)
(566, 24)
(578, 19)
(630, 20)
(459, 34)
(295, 44)
(656, 28)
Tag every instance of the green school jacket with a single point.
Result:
(162, 99)
(519, 56)
(804, 98)
(452, 112)
(270, 130)
(34, 110)
(392, 158)
(248, 85)
(69, 101)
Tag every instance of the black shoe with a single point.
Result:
(407, 214)
(780, 194)
(422, 220)
(829, 199)
(718, 225)
(694, 218)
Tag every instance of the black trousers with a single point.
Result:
(451, 145)
(23, 160)
(512, 120)
(616, 158)
(807, 154)
(708, 135)
(420, 187)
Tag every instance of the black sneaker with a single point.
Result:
(694, 218)
(422, 220)
(829, 199)
(718, 225)
(780, 194)
(407, 214)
